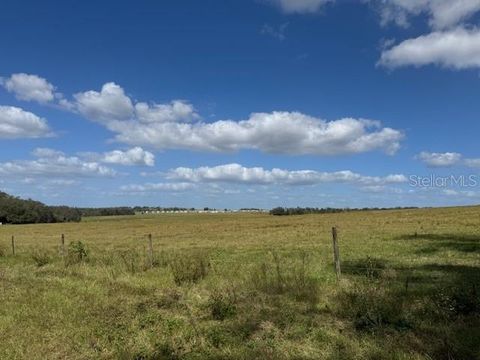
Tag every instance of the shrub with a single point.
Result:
(131, 260)
(462, 299)
(374, 267)
(217, 336)
(3, 251)
(161, 259)
(190, 268)
(280, 277)
(370, 267)
(14, 210)
(41, 257)
(77, 252)
(371, 307)
(222, 305)
(169, 298)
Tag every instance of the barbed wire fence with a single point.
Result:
(148, 251)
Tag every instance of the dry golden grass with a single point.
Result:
(252, 286)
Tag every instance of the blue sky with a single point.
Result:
(253, 103)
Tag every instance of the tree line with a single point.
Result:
(108, 211)
(281, 211)
(14, 210)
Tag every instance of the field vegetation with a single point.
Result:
(244, 286)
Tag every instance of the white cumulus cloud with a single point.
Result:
(440, 159)
(109, 104)
(447, 159)
(17, 123)
(134, 156)
(458, 48)
(176, 125)
(175, 111)
(131, 157)
(29, 87)
(277, 132)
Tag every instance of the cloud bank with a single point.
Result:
(176, 125)
(50, 163)
(236, 173)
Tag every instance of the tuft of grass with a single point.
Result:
(169, 298)
(41, 257)
(279, 277)
(131, 260)
(77, 253)
(190, 268)
(373, 306)
(222, 304)
(161, 259)
(371, 267)
(458, 300)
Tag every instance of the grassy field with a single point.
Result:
(244, 286)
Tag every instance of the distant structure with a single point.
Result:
(158, 211)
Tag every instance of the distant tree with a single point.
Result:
(66, 214)
(308, 210)
(278, 211)
(110, 211)
(14, 210)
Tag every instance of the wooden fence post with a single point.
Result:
(336, 253)
(150, 250)
(62, 248)
(13, 245)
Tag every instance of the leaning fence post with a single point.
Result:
(62, 248)
(150, 250)
(336, 253)
(13, 245)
